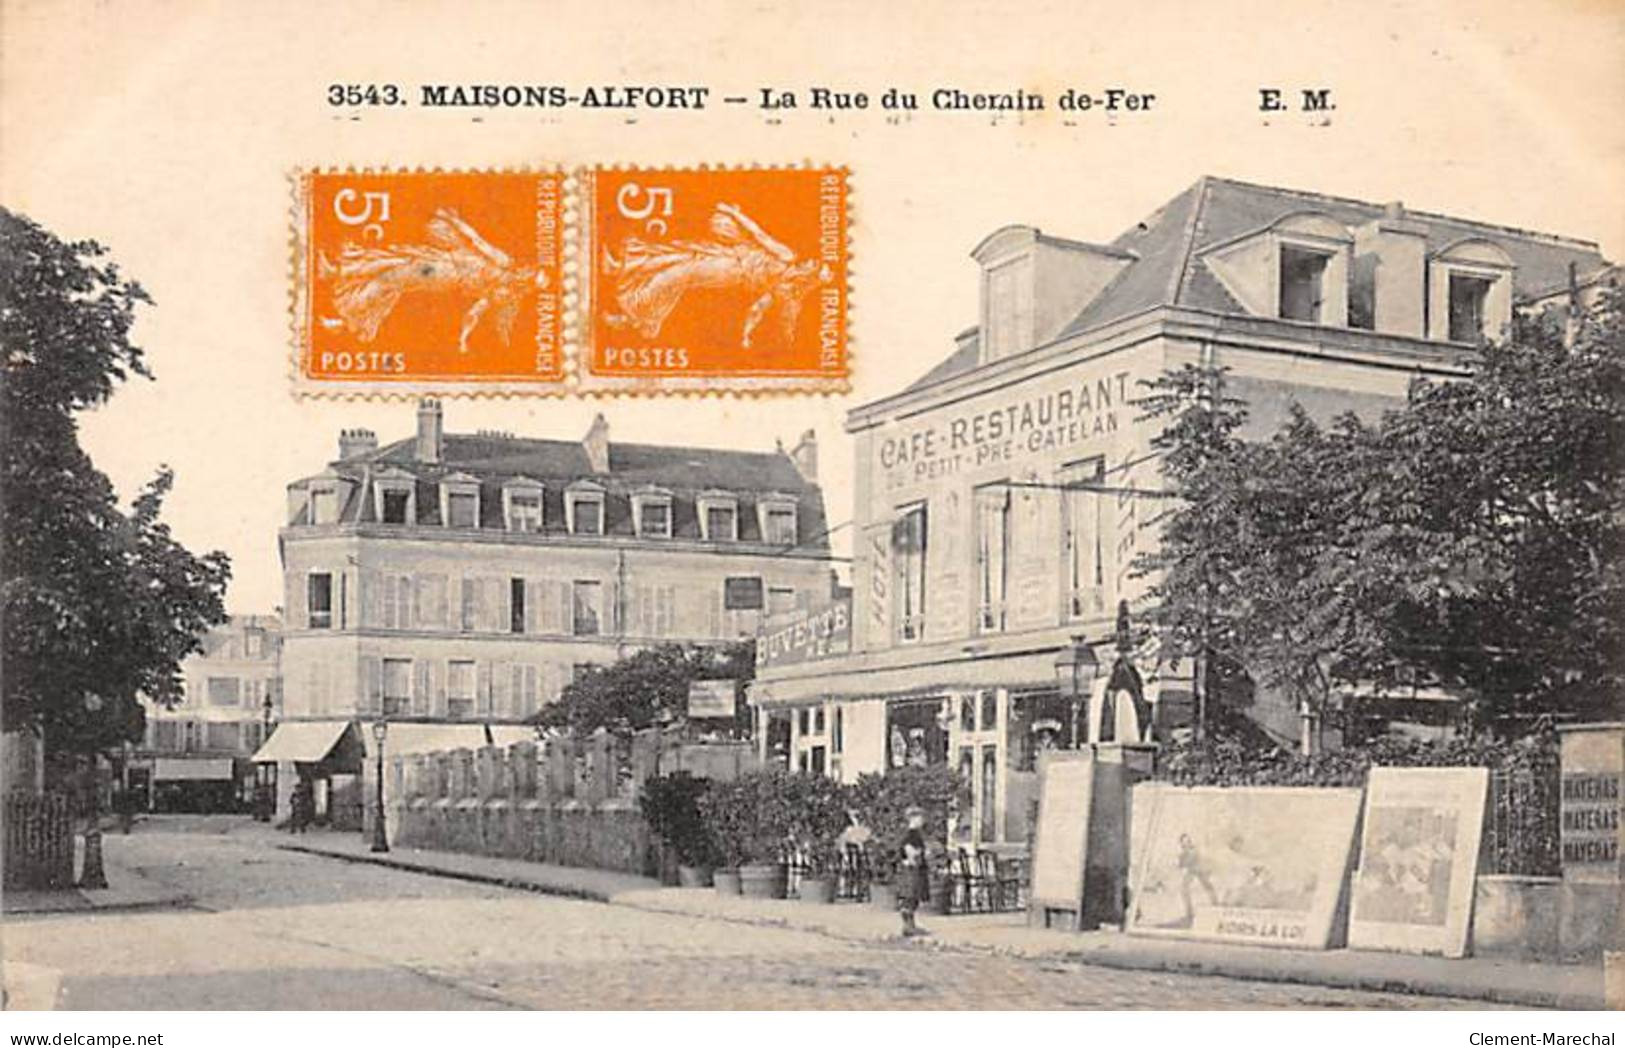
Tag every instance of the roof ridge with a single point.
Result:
(1176, 283)
(1532, 234)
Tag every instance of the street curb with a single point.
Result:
(1241, 969)
(171, 902)
(1424, 987)
(562, 890)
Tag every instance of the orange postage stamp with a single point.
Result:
(716, 278)
(450, 280)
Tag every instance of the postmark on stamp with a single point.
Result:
(715, 278)
(445, 279)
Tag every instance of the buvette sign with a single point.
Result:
(806, 635)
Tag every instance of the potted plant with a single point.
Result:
(820, 807)
(671, 806)
(767, 794)
(725, 812)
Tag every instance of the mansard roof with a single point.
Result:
(686, 472)
(1167, 269)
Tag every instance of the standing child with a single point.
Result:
(914, 882)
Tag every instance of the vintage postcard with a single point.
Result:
(875, 510)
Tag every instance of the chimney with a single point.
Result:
(356, 442)
(596, 443)
(431, 432)
(805, 457)
(1390, 273)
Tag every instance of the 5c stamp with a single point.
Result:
(438, 279)
(606, 280)
(708, 278)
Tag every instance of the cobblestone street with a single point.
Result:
(270, 929)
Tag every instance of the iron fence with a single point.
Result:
(39, 842)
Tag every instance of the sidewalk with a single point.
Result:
(126, 890)
(1526, 984)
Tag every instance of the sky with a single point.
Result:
(169, 131)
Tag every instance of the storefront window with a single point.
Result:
(990, 788)
(914, 735)
(1036, 721)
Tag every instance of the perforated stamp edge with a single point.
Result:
(710, 385)
(410, 388)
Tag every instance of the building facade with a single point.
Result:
(1002, 498)
(195, 755)
(451, 579)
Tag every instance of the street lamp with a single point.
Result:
(264, 801)
(1075, 669)
(93, 874)
(380, 731)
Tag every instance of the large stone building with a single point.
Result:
(450, 579)
(195, 755)
(1001, 498)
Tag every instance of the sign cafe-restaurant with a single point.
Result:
(1000, 500)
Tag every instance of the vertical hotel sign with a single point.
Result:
(878, 587)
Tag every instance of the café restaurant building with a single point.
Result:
(1001, 499)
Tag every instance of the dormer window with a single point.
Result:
(460, 501)
(320, 499)
(324, 504)
(522, 504)
(1469, 292)
(719, 517)
(1303, 283)
(651, 512)
(394, 495)
(1297, 268)
(1468, 295)
(584, 508)
(777, 521)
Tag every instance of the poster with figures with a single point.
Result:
(1260, 865)
(1413, 891)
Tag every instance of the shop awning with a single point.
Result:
(303, 742)
(192, 769)
(1025, 671)
(405, 738)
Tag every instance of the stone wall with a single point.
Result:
(568, 808)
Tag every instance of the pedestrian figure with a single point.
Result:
(914, 878)
(302, 806)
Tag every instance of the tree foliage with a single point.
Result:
(100, 603)
(1471, 537)
(648, 687)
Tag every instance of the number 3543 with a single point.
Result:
(364, 95)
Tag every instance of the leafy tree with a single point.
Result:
(100, 604)
(1471, 537)
(1196, 563)
(649, 687)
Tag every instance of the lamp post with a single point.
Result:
(1075, 669)
(380, 731)
(264, 801)
(93, 875)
